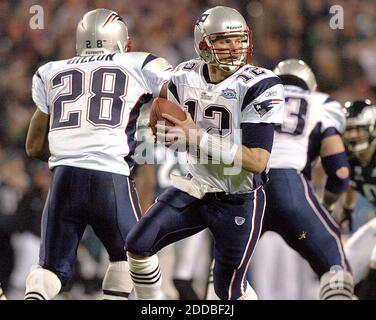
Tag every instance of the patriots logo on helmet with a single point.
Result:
(202, 18)
(265, 106)
(112, 17)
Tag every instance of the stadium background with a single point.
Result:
(342, 59)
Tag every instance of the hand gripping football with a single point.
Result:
(160, 106)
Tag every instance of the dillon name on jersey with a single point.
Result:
(249, 95)
(305, 112)
(363, 179)
(93, 103)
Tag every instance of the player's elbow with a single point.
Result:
(33, 150)
(32, 153)
(255, 168)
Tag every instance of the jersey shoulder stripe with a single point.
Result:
(329, 99)
(38, 75)
(258, 88)
(149, 58)
(172, 88)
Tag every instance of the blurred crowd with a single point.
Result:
(342, 59)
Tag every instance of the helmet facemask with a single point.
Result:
(360, 125)
(215, 51)
(358, 138)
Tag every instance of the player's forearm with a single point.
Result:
(349, 199)
(39, 153)
(37, 136)
(252, 159)
(330, 199)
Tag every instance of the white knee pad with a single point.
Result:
(42, 284)
(336, 284)
(117, 283)
(249, 294)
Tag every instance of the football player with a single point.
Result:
(312, 126)
(361, 145)
(231, 108)
(87, 106)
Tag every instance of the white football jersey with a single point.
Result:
(304, 110)
(251, 94)
(93, 103)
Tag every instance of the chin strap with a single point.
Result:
(128, 47)
(129, 44)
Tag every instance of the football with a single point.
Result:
(160, 106)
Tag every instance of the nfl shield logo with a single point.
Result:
(239, 220)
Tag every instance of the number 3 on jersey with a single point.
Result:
(105, 106)
(294, 119)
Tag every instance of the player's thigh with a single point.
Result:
(236, 225)
(173, 217)
(114, 211)
(294, 211)
(63, 220)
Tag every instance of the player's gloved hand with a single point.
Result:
(345, 221)
(183, 133)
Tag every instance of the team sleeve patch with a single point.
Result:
(265, 106)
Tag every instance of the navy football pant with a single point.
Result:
(295, 213)
(234, 220)
(77, 197)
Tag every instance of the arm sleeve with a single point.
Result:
(39, 93)
(258, 135)
(331, 131)
(331, 164)
(264, 102)
(156, 72)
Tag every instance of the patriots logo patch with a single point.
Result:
(265, 106)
